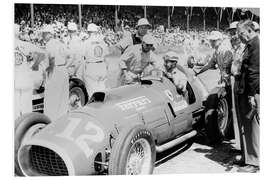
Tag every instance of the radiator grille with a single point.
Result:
(46, 162)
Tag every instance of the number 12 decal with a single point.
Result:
(83, 138)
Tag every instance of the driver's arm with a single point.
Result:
(156, 61)
(179, 79)
(123, 44)
(125, 60)
(209, 65)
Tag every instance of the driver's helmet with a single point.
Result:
(190, 61)
(171, 56)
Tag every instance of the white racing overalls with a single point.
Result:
(95, 68)
(56, 95)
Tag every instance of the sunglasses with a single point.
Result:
(232, 33)
(149, 45)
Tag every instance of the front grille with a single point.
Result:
(46, 162)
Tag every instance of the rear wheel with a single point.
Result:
(224, 121)
(77, 95)
(217, 119)
(133, 152)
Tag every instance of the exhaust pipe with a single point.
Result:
(175, 142)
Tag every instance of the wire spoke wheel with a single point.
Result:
(76, 98)
(139, 158)
(223, 115)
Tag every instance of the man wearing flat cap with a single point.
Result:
(222, 57)
(173, 73)
(138, 59)
(142, 27)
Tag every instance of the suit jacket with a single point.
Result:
(251, 67)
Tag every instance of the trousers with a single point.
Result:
(249, 130)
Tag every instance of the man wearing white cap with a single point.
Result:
(95, 68)
(138, 59)
(142, 27)
(74, 48)
(56, 93)
(222, 57)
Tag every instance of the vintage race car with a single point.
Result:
(119, 131)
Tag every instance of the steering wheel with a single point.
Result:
(155, 74)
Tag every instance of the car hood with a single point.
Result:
(76, 138)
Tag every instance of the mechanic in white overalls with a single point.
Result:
(25, 79)
(56, 95)
(172, 72)
(138, 60)
(74, 49)
(95, 68)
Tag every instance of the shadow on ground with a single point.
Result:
(173, 152)
(222, 154)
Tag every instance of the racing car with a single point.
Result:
(119, 131)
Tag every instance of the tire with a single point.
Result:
(225, 119)
(22, 126)
(123, 149)
(217, 119)
(77, 90)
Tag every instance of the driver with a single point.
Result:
(173, 73)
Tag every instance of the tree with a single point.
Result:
(204, 22)
(218, 10)
(188, 13)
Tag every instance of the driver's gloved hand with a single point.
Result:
(130, 76)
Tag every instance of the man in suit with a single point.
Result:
(248, 95)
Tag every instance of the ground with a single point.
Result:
(195, 156)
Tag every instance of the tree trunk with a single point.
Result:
(169, 18)
(145, 12)
(188, 23)
(204, 24)
(32, 14)
(80, 15)
(116, 16)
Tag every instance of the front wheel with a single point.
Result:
(133, 152)
(27, 126)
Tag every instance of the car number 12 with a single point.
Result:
(82, 139)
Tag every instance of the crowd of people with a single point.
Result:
(55, 48)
